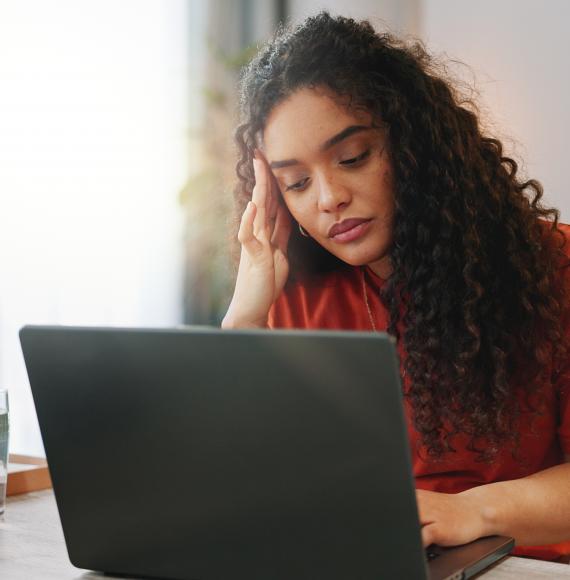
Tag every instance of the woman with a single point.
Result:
(376, 203)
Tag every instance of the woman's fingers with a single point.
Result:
(246, 234)
(259, 198)
(264, 218)
(272, 189)
(282, 230)
(275, 196)
(259, 194)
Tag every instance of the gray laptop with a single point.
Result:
(205, 454)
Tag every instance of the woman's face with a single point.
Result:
(331, 165)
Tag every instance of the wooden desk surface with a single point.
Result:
(32, 547)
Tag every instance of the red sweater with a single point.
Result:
(336, 301)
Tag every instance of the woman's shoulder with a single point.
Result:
(556, 245)
(565, 230)
(560, 231)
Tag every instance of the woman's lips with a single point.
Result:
(352, 234)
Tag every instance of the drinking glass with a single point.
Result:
(4, 430)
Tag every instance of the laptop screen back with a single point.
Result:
(201, 453)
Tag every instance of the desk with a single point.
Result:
(32, 548)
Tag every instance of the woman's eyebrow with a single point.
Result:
(344, 134)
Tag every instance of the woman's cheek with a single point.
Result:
(295, 208)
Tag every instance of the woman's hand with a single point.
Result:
(449, 519)
(263, 269)
(534, 510)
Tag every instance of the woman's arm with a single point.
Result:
(535, 510)
(263, 268)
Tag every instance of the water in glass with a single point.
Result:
(4, 430)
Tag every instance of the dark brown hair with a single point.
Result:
(476, 293)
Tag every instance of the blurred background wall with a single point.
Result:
(116, 153)
(95, 103)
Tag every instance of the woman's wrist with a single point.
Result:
(490, 502)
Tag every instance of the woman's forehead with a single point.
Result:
(308, 117)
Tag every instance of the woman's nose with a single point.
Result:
(332, 194)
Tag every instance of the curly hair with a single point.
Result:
(476, 297)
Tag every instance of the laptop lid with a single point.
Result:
(201, 453)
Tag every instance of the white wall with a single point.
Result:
(518, 50)
(93, 122)
(400, 16)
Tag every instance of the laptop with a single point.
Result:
(199, 453)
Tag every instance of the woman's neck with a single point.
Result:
(382, 267)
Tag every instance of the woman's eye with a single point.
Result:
(297, 186)
(355, 160)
